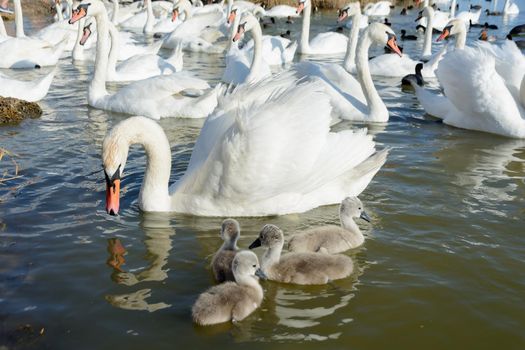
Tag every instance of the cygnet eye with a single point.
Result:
(359, 208)
(254, 265)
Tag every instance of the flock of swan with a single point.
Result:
(266, 146)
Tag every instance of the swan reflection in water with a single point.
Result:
(158, 244)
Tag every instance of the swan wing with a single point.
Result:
(329, 43)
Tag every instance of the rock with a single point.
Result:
(13, 110)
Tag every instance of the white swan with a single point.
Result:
(468, 17)
(155, 97)
(189, 32)
(252, 158)
(510, 8)
(324, 43)
(281, 11)
(352, 99)
(239, 67)
(31, 91)
(478, 95)
(381, 8)
(439, 18)
(142, 66)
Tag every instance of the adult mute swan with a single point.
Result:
(239, 67)
(281, 11)
(258, 157)
(478, 95)
(189, 32)
(510, 8)
(352, 99)
(324, 43)
(381, 8)
(31, 91)
(154, 97)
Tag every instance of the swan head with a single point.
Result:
(232, 15)
(383, 35)
(348, 11)
(351, 207)
(248, 22)
(246, 264)
(301, 5)
(270, 236)
(80, 12)
(114, 156)
(453, 27)
(180, 6)
(230, 231)
(86, 33)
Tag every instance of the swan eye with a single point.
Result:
(254, 265)
(359, 208)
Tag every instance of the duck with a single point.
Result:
(387, 23)
(228, 173)
(404, 36)
(493, 13)
(333, 239)
(154, 97)
(351, 98)
(232, 301)
(303, 268)
(403, 12)
(417, 76)
(484, 89)
(221, 264)
(328, 43)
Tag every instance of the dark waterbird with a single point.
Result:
(404, 36)
(418, 77)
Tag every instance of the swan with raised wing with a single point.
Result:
(255, 156)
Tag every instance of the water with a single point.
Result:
(442, 266)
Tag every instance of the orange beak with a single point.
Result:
(112, 197)
(392, 44)
(76, 15)
(231, 17)
(300, 8)
(342, 15)
(239, 34)
(443, 35)
(174, 15)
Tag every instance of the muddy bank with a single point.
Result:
(13, 110)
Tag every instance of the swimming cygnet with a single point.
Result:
(221, 263)
(232, 300)
(298, 268)
(333, 239)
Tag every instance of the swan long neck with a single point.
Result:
(506, 6)
(19, 19)
(79, 49)
(522, 91)
(116, 9)
(58, 8)
(348, 223)
(148, 27)
(113, 53)
(271, 257)
(461, 38)
(349, 61)
(97, 88)
(3, 32)
(257, 53)
(251, 282)
(427, 45)
(376, 108)
(304, 45)
(453, 9)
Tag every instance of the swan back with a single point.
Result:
(232, 300)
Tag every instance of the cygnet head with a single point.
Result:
(270, 236)
(383, 35)
(349, 10)
(230, 231)
(352, 207)
(248, 22)
(453, 27)
(245, 264)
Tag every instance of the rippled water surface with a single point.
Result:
(442, 266)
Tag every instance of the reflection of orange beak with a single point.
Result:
(85, 36)
(174, 15)
(112, 197)
(392, 44)
(76, 15)
(231, 17)
(300, 8)
(443, 35)
(116, 254)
